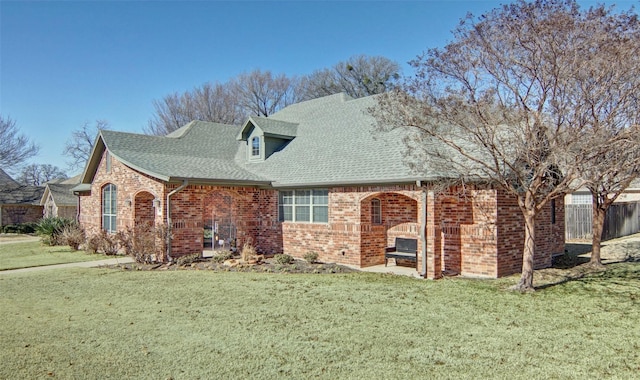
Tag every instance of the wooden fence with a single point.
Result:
(622, 219)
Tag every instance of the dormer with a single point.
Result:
(264, 136)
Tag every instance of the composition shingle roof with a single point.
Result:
(333, 142)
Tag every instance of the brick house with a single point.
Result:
(311, 177)
(58, 199)
(18, 203)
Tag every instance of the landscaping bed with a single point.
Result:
(266, 265)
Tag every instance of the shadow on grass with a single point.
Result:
(574, 264)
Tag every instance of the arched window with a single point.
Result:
(376, 211)
(255, 146)
(109, 209)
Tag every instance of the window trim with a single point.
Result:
(294, 204)
(376, 217)
(111, 213)
(255, 146)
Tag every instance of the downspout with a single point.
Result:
(185, 183)
(423, 228)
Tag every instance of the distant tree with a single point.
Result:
(216, 103)
(15, 148)
(78, 147)
(39, 174)
(607, 100)
(503, 103)
(263, 93)
(358, 77)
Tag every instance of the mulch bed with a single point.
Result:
(268, 265)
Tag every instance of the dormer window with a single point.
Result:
(255, 147)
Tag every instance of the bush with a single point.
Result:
(222, 256)
(72, 235)
(144, 243)
(108, 243)
(311, 257)
(248, 252)
(188, 259)
(22, 228)
(283, 259)
(93, 244)
(50, 229)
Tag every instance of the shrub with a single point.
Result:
(50, 229)
(283, 259)
(139, 243)
(108, 243)
(248, 251)
(72, 235)
(93, 244)
(188, 259)
(222, 256)
(21, 228)
(311, 257)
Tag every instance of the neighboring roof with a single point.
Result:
(15, 194)
(5, 179)
(332, 142)
(62, 194)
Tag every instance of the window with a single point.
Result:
(109, 208)
(581, 199)
(376, 211)
(304, 206)
(553, 211)
(255, 146)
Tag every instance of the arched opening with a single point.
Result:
(384, 217)
(219, 220)
(144, 213)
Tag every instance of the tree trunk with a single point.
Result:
(597, 226)
(526, 279)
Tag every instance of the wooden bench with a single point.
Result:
(405, 249)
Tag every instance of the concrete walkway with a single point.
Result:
(83, 264)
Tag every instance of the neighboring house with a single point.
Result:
(582, 196)
(58, 199)
(18, 203)
(311, 177)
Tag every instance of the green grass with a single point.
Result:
(100, 323)
(33, 254)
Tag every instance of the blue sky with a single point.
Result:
(63, 63)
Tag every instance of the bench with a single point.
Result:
(404, 249)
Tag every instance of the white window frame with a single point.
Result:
(255, 146)
(109, 207)
(376, 211)
(303, 206)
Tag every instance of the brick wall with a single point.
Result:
(475, 232)
(549, 237)
(349, 237)
(17, 214)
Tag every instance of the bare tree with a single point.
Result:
(216, 103)
(15, 148)
(78, 147)
(263, 93)
(500, 104)
(359, 76)
(606, 99)
(38, 174)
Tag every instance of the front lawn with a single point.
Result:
(33, 254)
(103, 323)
